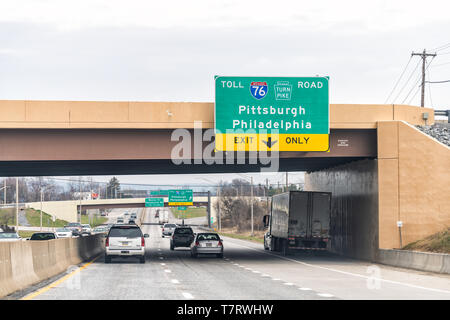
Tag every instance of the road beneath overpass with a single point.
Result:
(246, 272)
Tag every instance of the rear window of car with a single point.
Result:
(8, 235)
(62, 230)
(125, 232)
(184, 231)
(74, 224)
(208, 236)
(42, 236)
(169, 225)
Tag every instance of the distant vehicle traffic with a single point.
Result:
(63, 233)
(76, 228)
(86, 229)
(9, 236)
(168, 229)
(100, 230)
(182, 237)
(131, 221)
(125, 241)
(119, 220)
(207, 243)
(40, 236)
(163, 216)
(298, 220)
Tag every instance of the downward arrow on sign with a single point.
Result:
(269, 143)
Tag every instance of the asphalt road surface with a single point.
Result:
(246, 272)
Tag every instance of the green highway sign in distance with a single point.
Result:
(160, 193)
(154, 202)
(272, 113)
(181, 198)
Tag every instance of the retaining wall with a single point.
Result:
(24, 263)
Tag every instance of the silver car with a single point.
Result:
(207, 243)
(167, 229)
(9, 236)
(63, 233)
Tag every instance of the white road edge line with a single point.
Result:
(325, 295)
(175, 281)
(344, 272)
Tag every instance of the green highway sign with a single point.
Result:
(181, 198)
(182, 208)
(272, 113)
(154, 202)
(159, 193)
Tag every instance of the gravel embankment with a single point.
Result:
(439, 131)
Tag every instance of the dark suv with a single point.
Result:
(182, 237)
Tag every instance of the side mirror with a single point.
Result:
(146, 235)
(221, 239)
(105, 236)
(266, 221)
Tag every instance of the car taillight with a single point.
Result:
(197, 243)
(220, 243)
(142, 242)
(107, 242)
(163, 229)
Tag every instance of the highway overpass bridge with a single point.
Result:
(380, 168)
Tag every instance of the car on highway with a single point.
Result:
(182, 237)
(100, 230)
(1, 230)
(125, 241)
(207, 243)
(131, 221)
(120, 220)
(76, 228)
(9, 236)
(40, 236)
(63, 233)
(168, 229)
(157, 214)
(86, 229)
(133, 216)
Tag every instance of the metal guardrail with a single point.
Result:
(445, 113)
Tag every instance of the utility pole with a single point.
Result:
(80, 201)
(287, 183)
(424, 56)
(17, 204)
(41, 208)
(251, 199)
(219, 221)
(267, 195)
(4, 192)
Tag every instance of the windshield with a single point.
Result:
(208, 236)
(63, 230)
(8, 235)
(169, 225)
(42, 236)
(183, 231)
(126, 232)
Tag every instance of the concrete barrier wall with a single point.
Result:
(24, 263)
(424, 261)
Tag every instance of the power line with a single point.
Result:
(407, 81)
(401, 75)
(443, 81)
(445, 46)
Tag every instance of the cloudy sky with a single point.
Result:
(170, 50)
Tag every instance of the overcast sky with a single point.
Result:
(170, 50)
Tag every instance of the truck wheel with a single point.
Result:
(107, 259)
(272, 245)
(284, 248)
(142, 260)
(171, 247)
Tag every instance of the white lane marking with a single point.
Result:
(265, 275)
(187, 295)
(174, 281)
(167, 270)
(344, 272)
(254, 271)
(325, 295)
(288, 284)
(276, 279)
(236, 264)
(163, 264)
(160, 258)
(305, 289)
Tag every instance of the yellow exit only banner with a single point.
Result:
(272, 142)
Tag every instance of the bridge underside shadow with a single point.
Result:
(125, 167)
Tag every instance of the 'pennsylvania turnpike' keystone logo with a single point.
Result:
(283, 90)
